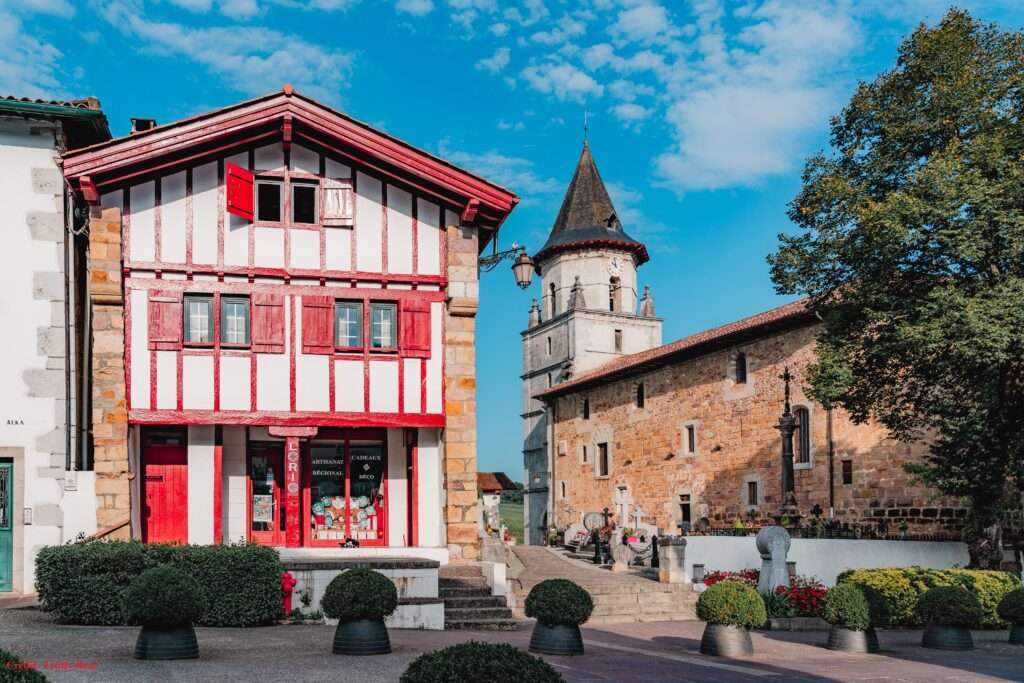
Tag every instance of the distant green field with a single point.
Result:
(512, 517)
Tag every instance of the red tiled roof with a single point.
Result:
(663, 354)
(494, 481)
(85, 103)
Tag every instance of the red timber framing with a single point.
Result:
(165, 149)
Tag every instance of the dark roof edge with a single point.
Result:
(794, 320)
(46, 110)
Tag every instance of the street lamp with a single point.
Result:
(522, 268)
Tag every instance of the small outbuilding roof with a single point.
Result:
(492, 482)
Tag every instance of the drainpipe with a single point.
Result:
(831, 462)
(68, 218)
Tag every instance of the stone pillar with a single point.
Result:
(672, 560)
(109, 407)
(462, 512)
(773, 545)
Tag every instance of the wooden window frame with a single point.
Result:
(295, 183)
(846, 471)
(234, 298)
(185, 327)
(803, 455)
(361, 307)
(753, 487)
(378, 305)
(280, 183)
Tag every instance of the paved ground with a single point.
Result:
(627, 653)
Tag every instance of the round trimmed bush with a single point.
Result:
(846, 606)
(730, 603)
(13, 670)
(950, 606)
(359, 594)
(559, 602)
(473, 661)
(1011, 608)
(164, 596)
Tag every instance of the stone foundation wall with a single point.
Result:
(462, 513)
(736, 443)
(109, 407)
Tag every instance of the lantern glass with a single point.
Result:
(523, 270)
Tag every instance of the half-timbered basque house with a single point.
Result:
(282, 302)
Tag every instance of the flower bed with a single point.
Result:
(801, 599)
(747, 576)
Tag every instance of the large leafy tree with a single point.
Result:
(911, 250)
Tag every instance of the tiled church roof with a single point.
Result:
(587, 217)
(790, 314)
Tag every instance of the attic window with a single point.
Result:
(303, 203)
(268, 201)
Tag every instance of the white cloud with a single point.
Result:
(513, 126)
(239, 9)
(57, 8)
(629, 91)
(628, 203)
(499, 29)
(250, 59)
(566, 29)
(417, 8)
(629, 112)
(515, 173)
(646, 23)
(497, 62)
(564, 81)
(29, 67)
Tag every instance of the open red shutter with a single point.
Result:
(268, 323)
(414, 328)
(240, 192)
(164, 320)
(317, 324)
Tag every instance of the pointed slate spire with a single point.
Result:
(588, 217)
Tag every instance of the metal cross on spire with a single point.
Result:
(586, 126)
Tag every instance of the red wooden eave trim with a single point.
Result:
(111, 162)
(284, 418)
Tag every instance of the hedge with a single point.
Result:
(13, 670)
(893, 593)
(164, 596)
(86, 583)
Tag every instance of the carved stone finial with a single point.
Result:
(647, 303)
(534, 314)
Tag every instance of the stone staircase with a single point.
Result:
(468, 603)
(618, 598)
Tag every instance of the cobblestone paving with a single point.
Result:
(626, 653)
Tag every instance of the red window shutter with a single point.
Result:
(268, 323)
(165, 310)
(317, 324)
(414, 328)
(240, 191)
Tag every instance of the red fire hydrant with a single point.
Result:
(287, 586)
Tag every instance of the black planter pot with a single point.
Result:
(848, 640)
(557, 639)
(362, 637)
(158, 642)
(942, 637)
(721, 640)
(1016, 634)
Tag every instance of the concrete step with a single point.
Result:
(462, 582)
(463, 592)
(483, 624)
(469, 602)
(473, 613)
(460, 570)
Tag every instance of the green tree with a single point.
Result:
(912, 254)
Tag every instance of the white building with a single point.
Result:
(44, 498)
(587, 317)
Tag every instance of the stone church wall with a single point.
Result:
(736, 443)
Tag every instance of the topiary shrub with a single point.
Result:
(731, 603)
(893, 593)
(85, 583)
(473, 661)
(13, 670)
(559, 602)
(949, 606)
(359, 594)
(846, 606)
(164, 596)
(1011, 608)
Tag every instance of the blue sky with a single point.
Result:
(701, 113)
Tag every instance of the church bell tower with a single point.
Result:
(589, 312)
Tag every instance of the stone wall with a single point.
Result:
(109, 408)
(736, 442)
(461, 514)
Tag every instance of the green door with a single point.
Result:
(6, 525)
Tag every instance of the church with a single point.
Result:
(684, 435)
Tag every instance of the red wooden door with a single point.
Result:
(165, 491)
(267, 522)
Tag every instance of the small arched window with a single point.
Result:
(641, 398)
(741, 368)
(802, 435)
(554, 303)
(614, 288)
